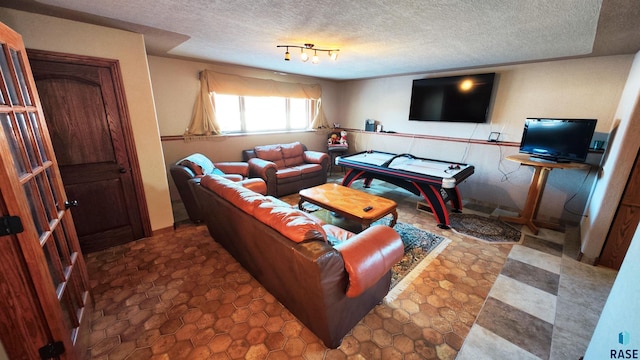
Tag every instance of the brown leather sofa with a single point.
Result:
(287, 168)
(329, 289)
(197, 165)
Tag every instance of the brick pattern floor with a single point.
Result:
(180, 295)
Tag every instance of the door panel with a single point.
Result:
(87, 127)
(45, 286)
(71, 134)
(625, 222)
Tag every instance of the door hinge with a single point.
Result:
(10, 225)
(51, 350)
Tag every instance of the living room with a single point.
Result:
(161, 92)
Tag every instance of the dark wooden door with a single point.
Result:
(89, 128)
(625, 222)
(44, 284)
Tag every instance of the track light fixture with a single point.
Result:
(333, 53)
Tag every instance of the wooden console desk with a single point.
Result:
(538, 181)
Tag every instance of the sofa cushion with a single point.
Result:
(232, 177)
(308, 168)
(286, 173)
(292, 154)
(296, 225)
(271, 153)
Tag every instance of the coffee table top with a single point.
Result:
(345, 200)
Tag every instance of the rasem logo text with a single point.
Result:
(624, 354)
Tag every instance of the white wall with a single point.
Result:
(616, 167)
(53, 34)
(620, 312)
(580, 88)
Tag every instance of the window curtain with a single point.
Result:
(203, 121)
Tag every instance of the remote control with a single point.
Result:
(368, 208)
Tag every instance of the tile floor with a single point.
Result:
(179, 295)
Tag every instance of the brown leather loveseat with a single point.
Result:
(287, 168)
(196, 166)
(329, 289)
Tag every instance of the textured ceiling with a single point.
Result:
(376, 37)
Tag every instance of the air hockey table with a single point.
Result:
(435, 180)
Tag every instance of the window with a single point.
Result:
(246, 114)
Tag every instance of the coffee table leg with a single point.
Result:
(392, 224)
(300, 204)
(395, 218)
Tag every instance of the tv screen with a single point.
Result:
(561, 140)
(456, 98)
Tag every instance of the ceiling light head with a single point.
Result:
(333, 53)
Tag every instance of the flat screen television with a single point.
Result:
(455, 98)
(560, 140)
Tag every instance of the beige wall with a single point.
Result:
(54, 34)
(175, 85)
(580, 88)
(616, 167)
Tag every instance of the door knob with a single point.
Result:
(123, 170)
(70, 203)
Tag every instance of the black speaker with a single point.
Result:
(369, 125)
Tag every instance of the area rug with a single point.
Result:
(484, 228)
(420, 248)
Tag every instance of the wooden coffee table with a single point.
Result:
(350, 203)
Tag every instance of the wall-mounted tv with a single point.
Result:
(561, 140)
(455, 98)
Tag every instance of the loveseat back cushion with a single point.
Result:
(292, 154)
(296, 225)
(241, 197)
(271, 153)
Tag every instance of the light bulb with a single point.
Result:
(333, 55)
(315, 59)
(303, 56)
(287, 56)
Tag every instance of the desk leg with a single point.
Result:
(528, 214)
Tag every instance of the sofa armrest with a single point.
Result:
(261, 168)
(369, 255)
(266, 170)
(315, 157)
(233, 167)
